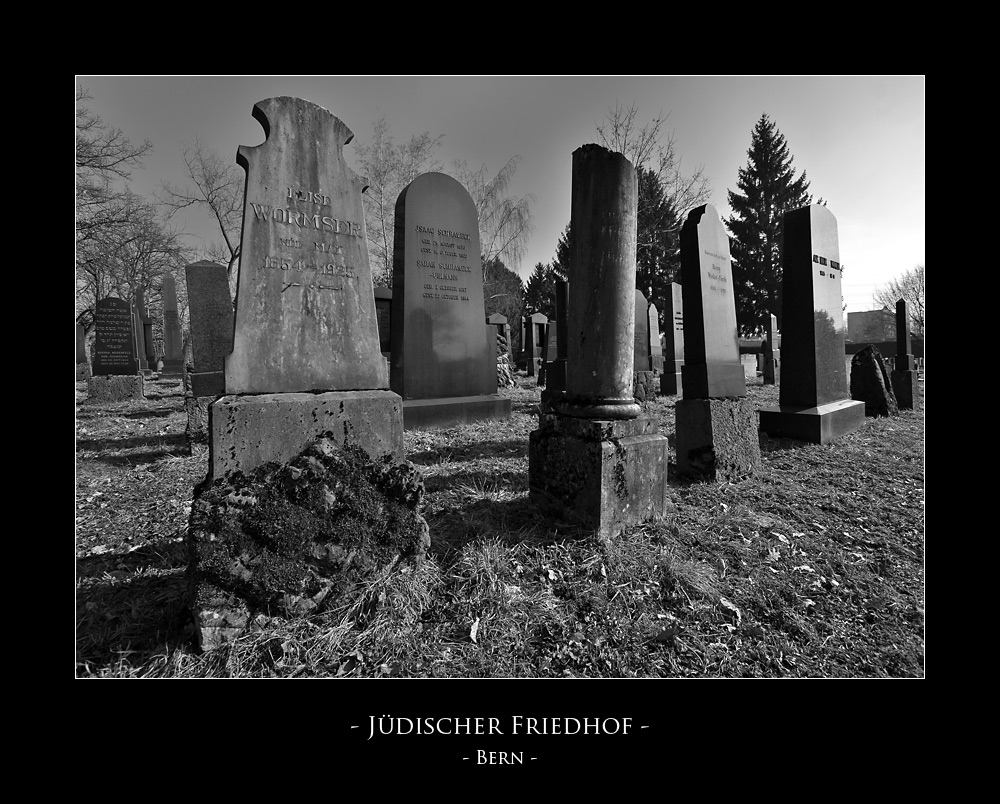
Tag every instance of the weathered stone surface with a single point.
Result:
(906, 387)
(717, 439)
(288, 537)
(114, 338)
(211, 311)
(647, 383)
(603, 475)
(711, 340)
(247, 431)
(173, 348)
(772, 353)
(640, 352)
(196, 408)
(871, 383)
(305, 308)
(115, 388)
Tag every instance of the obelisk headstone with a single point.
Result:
(444, 363)
(655, 347)
(115, 376)
(904, 376)
(814, 403)
(173, 348)
(671, 383)
(716, 425)
(305, 356)
(772, 353)
(594, 459)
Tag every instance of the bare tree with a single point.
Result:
(216, 187)
(388, 168)
(505, 223)
(910, 288)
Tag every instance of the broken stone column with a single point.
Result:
(594, 459)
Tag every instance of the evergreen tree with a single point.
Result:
(657, 259)
(503, 292)
(768, 188)
(540, 291)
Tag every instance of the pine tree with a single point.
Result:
(540, 291)
(657, 258)
(768, 189)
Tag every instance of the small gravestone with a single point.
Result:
(641, 348)
(305, 356)
(443, 355)
(772, 353)
(173, 348)
(716, 425)
(813, 404)
(904, 376)
(595, 459)
(82, 365)
(871, 384)
(115, 375)
(671, 383)
(749, 366)
(655, 345)
(534, 337)
(555, 369)
(211, 314)
(505, 369)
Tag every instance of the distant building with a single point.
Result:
(871, 327)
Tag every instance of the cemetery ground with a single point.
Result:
(813, 569)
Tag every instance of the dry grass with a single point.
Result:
(812, 569)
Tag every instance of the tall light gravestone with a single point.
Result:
(904, 374)
(641, 354)
(305, 356)
(173, 348)
(115, 376)
(595, 459)
(671, 383)
(716, 425)
(444, 360)
(772, 353)
(655, 348)
(814, 404)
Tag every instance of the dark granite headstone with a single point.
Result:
(81, 344)
(211, 312)
(712, 367)
(640, 355)
(305, 309)
(673, 342)
(871, 384)
(443, 360)
(173, 348)
(813, 402)
(904, 376)
(114, 338)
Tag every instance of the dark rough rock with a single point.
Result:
(288, 537)
(871, 383)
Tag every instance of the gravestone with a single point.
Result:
(595, 459)
(655, 345)
(871, 384)
(305, 358)
(211, 315)
(534, 337)
(813, 402)
(173, 348)
(115, 375)
(548, 341)
(671, 383)
(716, 425)
(749, 366)
(383, 311)
(139, 334)
(144, 333)
(82, 365)
(555, 368)
(904, 376)
(444, 363)
(772, 353)
(505, 368)
(641, 349)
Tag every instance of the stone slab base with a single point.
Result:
(905, 387)
(819, 425)
(604, 475)
(717, 439)
(671, 384)
(246, 431)
(427, 414)
(115, 388)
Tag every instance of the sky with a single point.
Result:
(859, 139)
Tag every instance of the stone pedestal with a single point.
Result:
(904, 386)
(604, 475)
(820, 424)
(246, 431)
(115, 388)
(717, 439)
(425, 414)
(671, 382)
